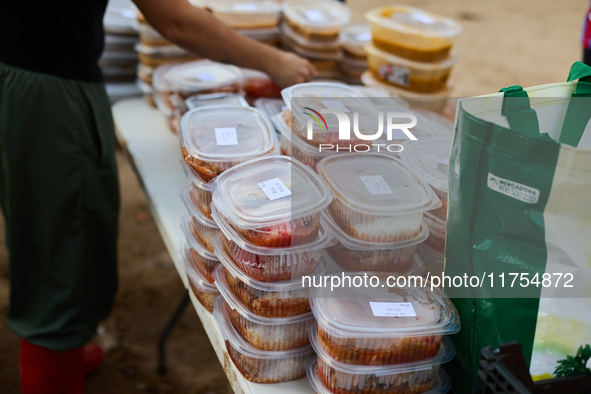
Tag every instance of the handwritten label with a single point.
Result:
(205, 76)
(274, 189)
(375, 184)
(226, 136)
(392, 309)
(334, 104)
(314, 16)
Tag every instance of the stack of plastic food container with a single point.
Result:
(318, 96)
(312, 30)
(269, 212)
(381, 339)
(430, 157)
(354, 60)
(202, 288)
(255, 19)
(411, 49)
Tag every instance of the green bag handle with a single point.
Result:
(518, 112)
(578, 112)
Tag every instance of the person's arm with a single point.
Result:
(198, 31)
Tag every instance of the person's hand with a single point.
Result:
(289, 69)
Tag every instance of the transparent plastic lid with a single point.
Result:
(242, 7)
(440, 125)
(324, 266)
(270, 106)
(376, 93)
(311, 44)
(193, 208)
(238, 342)
(160, 51)
(430, 255)
(319, 15)
(302, 145)
(227, 133)
(417, 267)
(356, 244)
(377, 184)
(193, 274)
(411, 64)
(194, 176)
(236, 304)
(436, 225)
(202, 75)
(383, 311)
(322, 95)
(430, 157)
(325, 239)
(414, 21)
(441, 386)
(186, 225)
(446, 353)
(269, 190)
(209, 99)
(354, 37)
(159, 80)
(368, 79)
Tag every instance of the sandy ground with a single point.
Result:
(505, 42)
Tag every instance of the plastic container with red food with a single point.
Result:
(258, 84)
(409, 382)
(316, 20)
(430, 157)
(201, 258)
(199, 191)
(271, 264)
(356, 255)
(383, 324)
(260, 366)
(377, 198)
(433, 259)
(219, 137)
(163, 90)
(203, 290)
(263, 332)
(312, 98)
(413, 377)
(245, 14)
(437, 230)
(204, 76)
(200, 229)
(272, 201)
(267, 299)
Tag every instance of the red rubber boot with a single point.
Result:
(45, 371)
(93, 356)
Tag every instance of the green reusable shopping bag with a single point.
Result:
(520, 202)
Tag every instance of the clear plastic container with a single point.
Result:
(376, 197)
(204, 291)
(243, 14)
(430, 157)
(435, 101)
(354, 38)
(266, 299)
(317, 48)
(265, 333)
(200, 228)
(163, 89)
(352, 70)
(433, 259)
(317, 20)
(369, 382)
(271, 264)
(355, 255)
(412, 33)
(259, 84)
(294, 146)
(273, 201)
(200, 192)
(409, 74)
(316, 95)
(206, 100)
(437, 229)
(157, 60)
(413, 377)
(256, 365)
(382, 325)
(217, 138)
(313, 55)
(204, 76)
(270, 106)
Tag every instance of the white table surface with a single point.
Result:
(155, 154)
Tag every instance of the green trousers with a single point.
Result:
(59, 194)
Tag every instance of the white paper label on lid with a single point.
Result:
(375, 184)
(363, 37)
(205, 76)
(334, 104)
(314, 16)
(423, 18)
(392, 309)
(245, 7)
(396, 75)
(128, 14)
(274, 189)
(226, 136)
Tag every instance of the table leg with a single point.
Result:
(167, 330)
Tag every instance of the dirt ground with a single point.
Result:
(505, 42)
